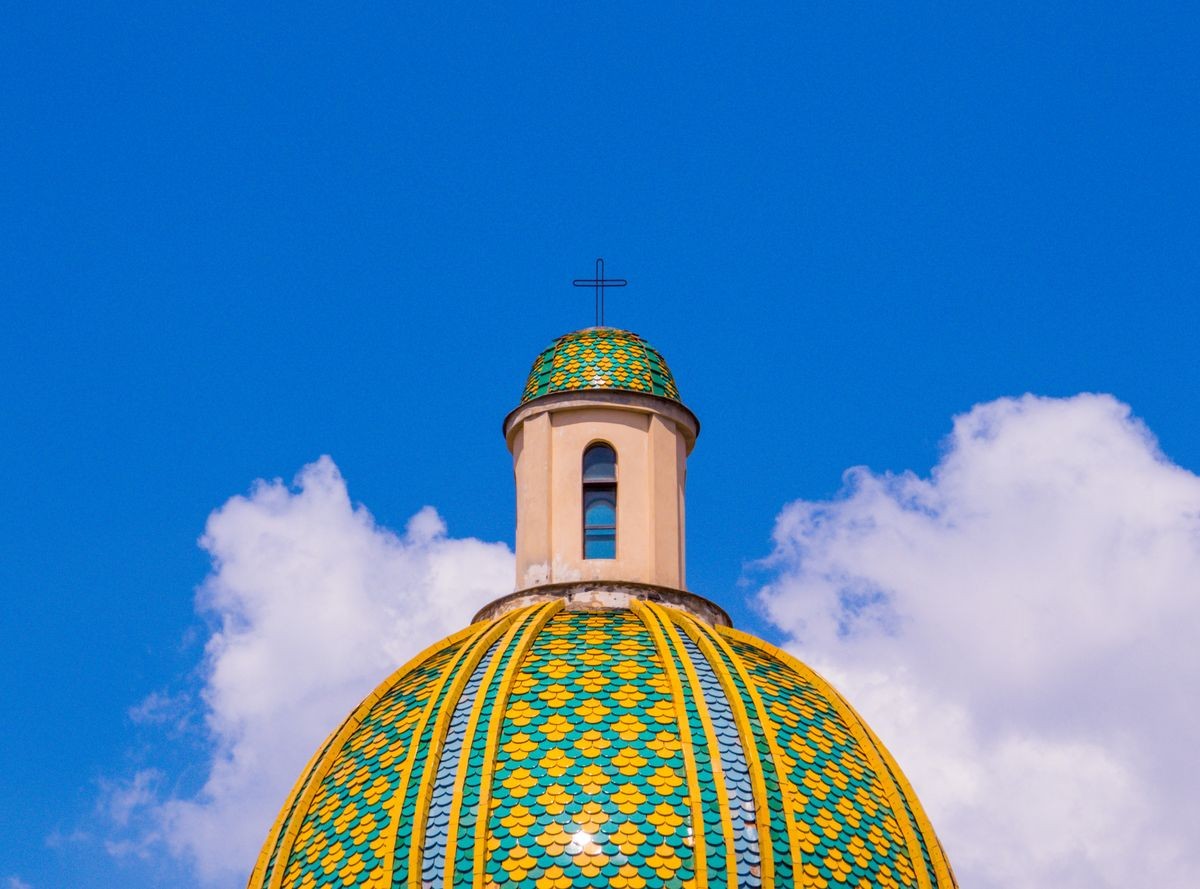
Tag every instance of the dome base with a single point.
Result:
(600, 595)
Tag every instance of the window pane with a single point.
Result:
(600, 521)
(600, 544)
(599, 508)
(599, 464)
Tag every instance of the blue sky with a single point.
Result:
(234, 240)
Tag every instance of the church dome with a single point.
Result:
(600, 358)
(550, 747)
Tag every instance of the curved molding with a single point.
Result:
(613, 398)
(941, 863)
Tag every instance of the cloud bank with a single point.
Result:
(1021, 628)
(312, 604)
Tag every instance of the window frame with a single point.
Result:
(593, 488)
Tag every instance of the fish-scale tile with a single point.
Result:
(598, 750)
(733, 759)
(778, 837)
(437, 827)
(339, 834)
(712, 817)
(481, 749)
(587, 779)
(846, 822)
(600, 358)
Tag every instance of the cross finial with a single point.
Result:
(599, 283)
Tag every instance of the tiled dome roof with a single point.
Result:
(634, 748)
(600, 358)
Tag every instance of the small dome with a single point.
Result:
(641, 748)
(600, 358)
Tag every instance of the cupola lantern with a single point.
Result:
(600, 444)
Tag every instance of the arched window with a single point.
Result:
(600, 502)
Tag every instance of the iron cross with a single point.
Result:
(599, 283)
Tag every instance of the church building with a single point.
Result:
(602, 726)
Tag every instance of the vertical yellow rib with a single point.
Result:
(264, 856)
(328, 756)
(857, 728)
(396, 803)
(460, 773)
(474, 651)
(941, 865)
(709, 641)
(670, 617)
(699, 853)
(499, 706)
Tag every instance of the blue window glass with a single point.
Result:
(600, 502)
(600, 464)
(600, 544)
(600, 508)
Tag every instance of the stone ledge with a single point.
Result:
(601, 595)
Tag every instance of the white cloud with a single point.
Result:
(175, 714)
(313, 604)
(122, 801)
(1021, 628)
(15, 882)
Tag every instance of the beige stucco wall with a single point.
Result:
(652, 438)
